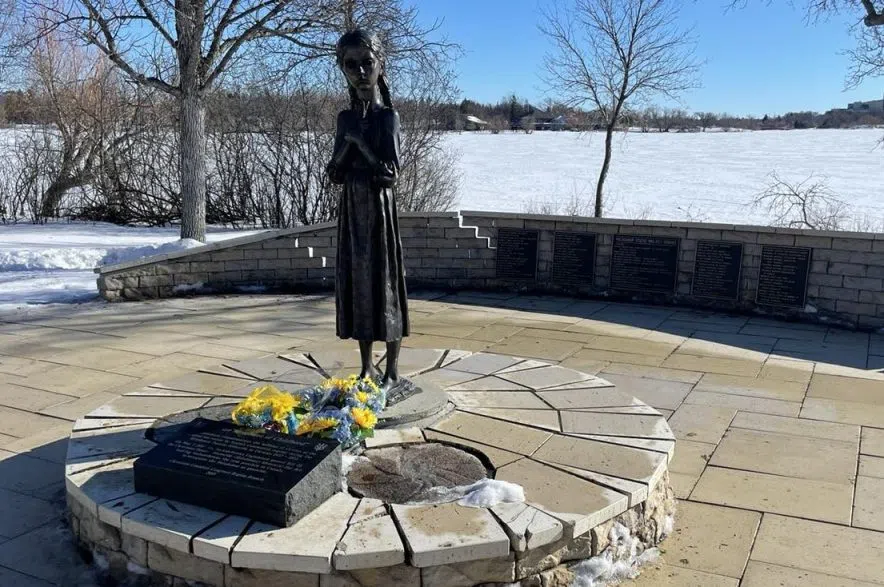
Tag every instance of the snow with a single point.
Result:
(53, 263)
(620, 561)
(711, 176)
(490, 492)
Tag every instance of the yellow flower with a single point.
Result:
(371, 384)
(266, 397)
(310, 425)
(364, 418)
(362, 396)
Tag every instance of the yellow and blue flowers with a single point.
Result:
(345, 409)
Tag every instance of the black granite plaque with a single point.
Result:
(782, 277)
(573, 258)
(717, 270)
(517, 254)
(644, 263)
(259, 474)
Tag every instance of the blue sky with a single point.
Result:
(763, 59)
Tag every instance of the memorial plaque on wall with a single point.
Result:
(517, 253)
(644, 263)
(782, 277)
(573, 257)
(717, 270)
(256, 473)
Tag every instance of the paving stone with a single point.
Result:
(75, 408)
(537, 348)
(756, 387)
(600, 397)
(510, 437)
(523, 365)
(30, 399)
(169, 523)
(495, 332)
(849, 552)
(112, 511)
(848, 389)
(691, 457)
(639, 409)
(647, 372)
(497, 399)
(413, 361)
(872, 442)
(766, 575)
(272, 368)
(216, 542)
(539, 418)
(146, 407)
(204, 383)
(701, 423)
(796, 426)
(725, 366)
(46, 553)
(10, 577)
(782, 369)
(631, 345)
(371, 543)
(654, 392)
(21, 513)
(665, 447)
(682, 484)
(790, 456)
(868, 509)
(634, 491)
(20, 423)
(284, 549)
(818, 500)
(449, 533)
(158, 368)
(174, 562)
(608, 459)
(616, 425)
(394, 436)
(454, 355)
(33, 476)
(495, 456)
(711, 539)
(101, 484)
(544, 377)
(527, 526)
(76, 381)
(663, 575)
(490, 383)
(109, 359)
(445, 378)
(124, 441)
(845, 412)
(588, 357)
(746, 403)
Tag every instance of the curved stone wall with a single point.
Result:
(817, 276)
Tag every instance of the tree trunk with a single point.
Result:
(192, 166)
(603, 174)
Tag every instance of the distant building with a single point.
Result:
(471, 122)
(870, 106)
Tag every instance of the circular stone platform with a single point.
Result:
(592, 461)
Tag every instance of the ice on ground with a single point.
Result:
(481, 494)
(619, 562)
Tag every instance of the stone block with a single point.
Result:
(776, 239)
(738, 235)
(856, 308)
(852, 244)
(130, 282)
(869, 283)
(207, 266)
(544, 558)
(839, 293)
(155, 280)
(826, 280)
(112, 283)
(234, 577)
(314, 241)
(95, 532)
(261, 254)
(282, 263)
(497, 570)
(819, 267)
(135, 548)
(398, 576)
(816, 242)
(850, 269)
(871, 297)
(227, 255)
(186, 566)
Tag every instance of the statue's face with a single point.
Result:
(362, 68)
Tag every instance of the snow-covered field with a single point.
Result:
(53, 263)
(700, 176)
(710, 176)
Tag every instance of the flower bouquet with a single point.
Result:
(345, 409)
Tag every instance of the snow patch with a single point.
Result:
(619, 562)
(490, 492)
(189, 287)
(136, 569)
(126, 254)
(347, 462)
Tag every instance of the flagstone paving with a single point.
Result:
(779, 427)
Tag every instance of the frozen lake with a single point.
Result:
(710, 176)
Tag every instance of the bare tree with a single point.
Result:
(612, 52)
(706, 119)
(808, 203)
(183, 48)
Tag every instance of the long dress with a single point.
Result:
(370, 296)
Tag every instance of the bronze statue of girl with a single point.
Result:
(370, 295)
